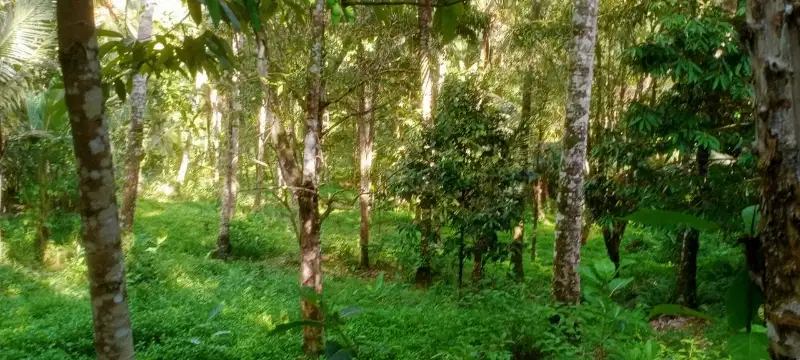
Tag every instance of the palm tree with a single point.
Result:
(26, 30)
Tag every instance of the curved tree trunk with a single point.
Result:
(686, 286)
(100, 231)
(775, 58)
(566, 282)
(133, 157)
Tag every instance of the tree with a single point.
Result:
(265, 116)
(100, 226)
(366, 135)
(566, 282)
(773, 56)
(133, 157)
(230, 161)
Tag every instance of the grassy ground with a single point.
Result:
(187, 306)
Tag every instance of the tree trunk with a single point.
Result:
(774, 59)
(566, 282)
(264, 116)
(100, 226)
(216, 130)
(308, 196)
(613, 237)
(428, 65)
(686, 286)
(133, 157)
(42, 231)
(230, 184)
(517, 248)
(185, 158)
(366, 133)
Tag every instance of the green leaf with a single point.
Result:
(349, 311)
(252, 11)
(268, 9)
(195, 11)
(750, 218)
(618, 284)
(350, 14)
(331, 348)
(675, 310)
(108, 33)
(234, 21)
(748, 346)
(665, 218)
(214, 11)
(343, 354)
(119, 88)
(336, 13)
(282, 328)
(446, 20)
(742, 301)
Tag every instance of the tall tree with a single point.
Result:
(775, 51)
(133, 157)
(567, 257)
(366, 134)
(230, 183)
(264, 115)
(100, 225)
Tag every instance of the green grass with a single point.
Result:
(185, 305)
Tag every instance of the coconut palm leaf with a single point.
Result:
(26, 33)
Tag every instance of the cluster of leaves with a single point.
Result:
(463, 164)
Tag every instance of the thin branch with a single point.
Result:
(359, 84)
(334, 125)
(400, 3)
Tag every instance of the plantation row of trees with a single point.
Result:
(454, 111)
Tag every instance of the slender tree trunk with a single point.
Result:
(133, 157)
(775, 56)
(42, 231)
(185, 158)
(308, 194)
(366, 133)
(686, 286)
(537, 208)
(230, 184)
(518, 233)
(612, 236)
(83, 86)
(566, 282)
(216, 130)
(264, 115)
(517, 248)
(428, 72)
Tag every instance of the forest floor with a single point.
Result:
(185, 305)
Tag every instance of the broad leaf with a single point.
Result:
(108, 33)
(195, 11)
(749, 346)
(343, 354)
(750, 218)
(742, 301)
(214, 11)
(282, 328)
(446, 20)
(119, 88)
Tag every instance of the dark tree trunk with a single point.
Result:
(424, 274)
(517, 248)
(100, 224)
(686, 286)
(133, 158)
(613, 237)
(775, 60)
(42, 231)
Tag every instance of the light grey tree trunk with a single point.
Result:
(366, 134)
(775, 60)
(567, 257)
(230, 184)
(264, 116)
(133, 157)
(80, 66)
(216, 129)
(185, 159)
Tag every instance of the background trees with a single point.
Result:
(388, 143)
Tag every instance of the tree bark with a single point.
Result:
(566, 282)
(366, 133)
(612, 236)
(775, 58)
(230, 184)
(308, 193)
(517, 248)
(428, 65)
(216, 130)
(264, 115)
(100, 226)
(42, 231)
(133, 157)
(686, 286)
(185, 158)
